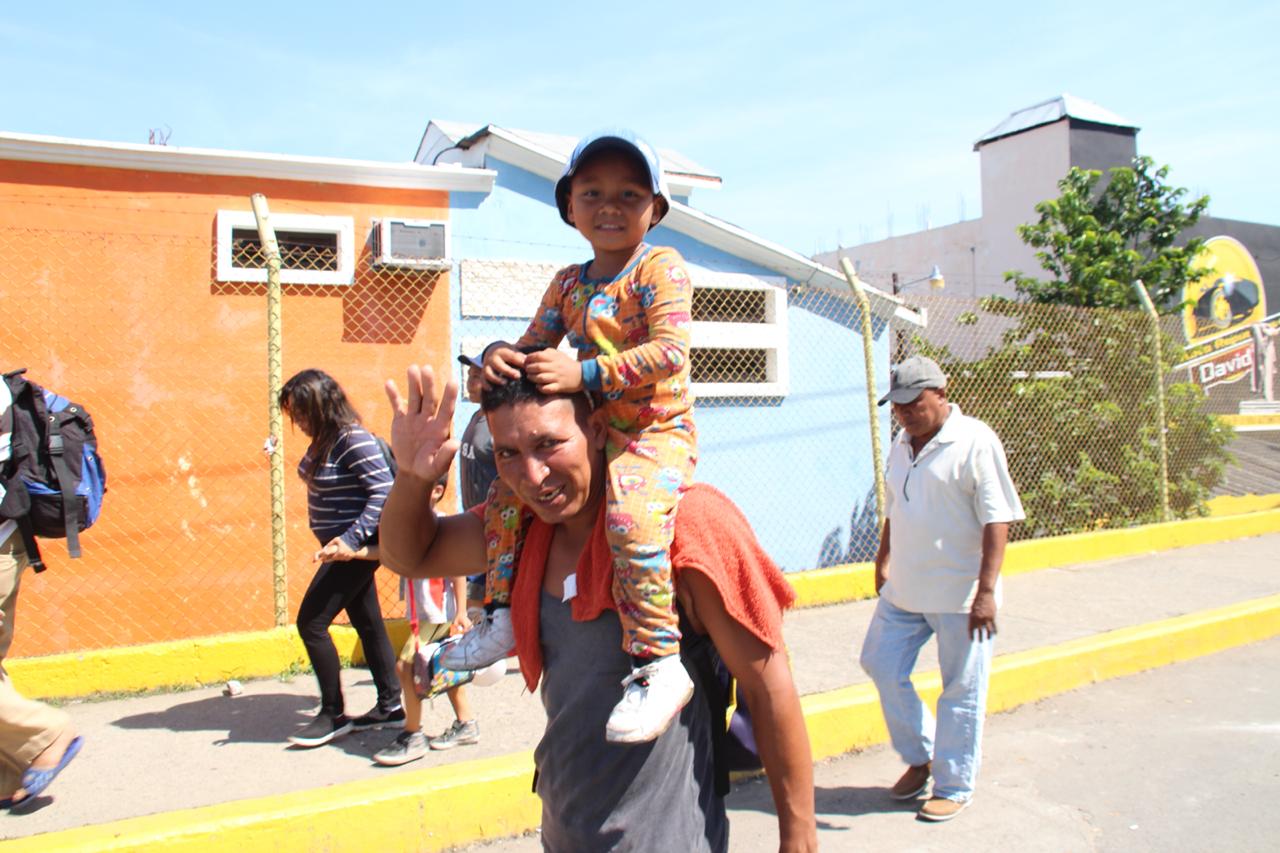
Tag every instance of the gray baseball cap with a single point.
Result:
(910, 377)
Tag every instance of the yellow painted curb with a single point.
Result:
(431, 809)
(1036, 673)
(181, 663)
(440, 807)
(856, 581)
(1239, 504)
(1254, 421)
(835, 585)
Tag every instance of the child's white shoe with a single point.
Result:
(652, 697)
(488, 642)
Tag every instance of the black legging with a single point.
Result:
(347, 586)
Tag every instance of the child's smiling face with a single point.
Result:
(611, 202)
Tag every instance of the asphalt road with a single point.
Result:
(1184, 758)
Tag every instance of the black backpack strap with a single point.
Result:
(29, 542)
(15, 494)
(703, 662)
(66, 481)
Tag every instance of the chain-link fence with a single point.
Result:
(1073, 394)
(166, 344)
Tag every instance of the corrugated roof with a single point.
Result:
(674, 163)
(1054, 109)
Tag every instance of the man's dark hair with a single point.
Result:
(521, 390)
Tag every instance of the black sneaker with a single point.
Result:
(377, 718)
(324, 728)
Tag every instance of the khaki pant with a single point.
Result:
(26, 727)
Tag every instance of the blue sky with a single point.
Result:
(826, 120)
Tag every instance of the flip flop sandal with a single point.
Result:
(36, 779)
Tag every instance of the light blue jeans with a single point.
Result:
(954, 742)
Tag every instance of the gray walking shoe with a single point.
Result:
(458, 734)
(408, 746)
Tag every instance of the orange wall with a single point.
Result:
(173, 367)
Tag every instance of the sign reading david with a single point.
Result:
(1225, 366)
(1229, 335)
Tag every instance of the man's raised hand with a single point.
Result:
(421, 426)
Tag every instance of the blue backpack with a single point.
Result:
(54, 480)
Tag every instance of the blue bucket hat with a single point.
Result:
(622, 140)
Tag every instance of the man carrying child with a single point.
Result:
(596, 795)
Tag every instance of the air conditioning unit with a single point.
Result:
(418, 244)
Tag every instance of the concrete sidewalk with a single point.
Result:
(160, 753)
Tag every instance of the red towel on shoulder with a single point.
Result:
(712, 536)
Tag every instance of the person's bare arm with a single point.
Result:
(765, 682)
(882, 557)
(982, 615)
(414, 541)
(461, 621)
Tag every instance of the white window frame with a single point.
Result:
(770, 336)
(342, 226)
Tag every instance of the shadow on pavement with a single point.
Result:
(853, 801)
(255, 718)
(847, 801)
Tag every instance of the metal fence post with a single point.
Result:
(275, 370)
(868, 359)
(1162, 428)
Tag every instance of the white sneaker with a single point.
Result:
(652, 696)
(486, 643)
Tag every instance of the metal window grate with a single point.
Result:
(299, 250)
(719, 305)
(729, 365)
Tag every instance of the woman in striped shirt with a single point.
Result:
(347, 479)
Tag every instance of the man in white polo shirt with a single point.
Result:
(949, 502)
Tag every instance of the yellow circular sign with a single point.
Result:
(1229, 296)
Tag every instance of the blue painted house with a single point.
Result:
(777, 358)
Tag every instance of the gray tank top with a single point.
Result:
(596, 796)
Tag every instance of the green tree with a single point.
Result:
(1097, 241)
